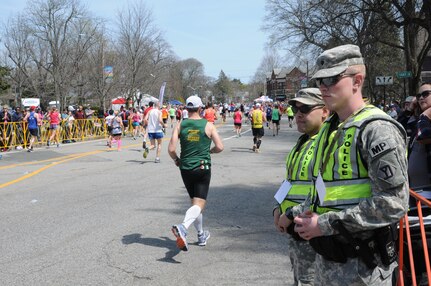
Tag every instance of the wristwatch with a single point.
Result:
(289, 214)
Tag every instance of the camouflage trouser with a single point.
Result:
(302, 257)
(353, 273)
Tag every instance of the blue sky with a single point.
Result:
(221, 34)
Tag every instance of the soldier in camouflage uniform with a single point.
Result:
(361, 186)
(310, 113)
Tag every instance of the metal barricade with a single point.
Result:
(16, 134)
(406, 230)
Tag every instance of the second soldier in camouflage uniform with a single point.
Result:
(361, 188)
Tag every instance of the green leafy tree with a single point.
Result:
(222, 88)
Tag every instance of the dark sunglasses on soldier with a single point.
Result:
(424, 94)
(305, 109)
(332, 80)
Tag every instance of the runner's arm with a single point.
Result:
(172, 147)
(218, 144)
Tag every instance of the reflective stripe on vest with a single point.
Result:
(298, 161)
(298, 172)
(297, 194)
(345, 175)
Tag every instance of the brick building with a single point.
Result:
(282, 84)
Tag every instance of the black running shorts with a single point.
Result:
(197, 182)
(258, 132)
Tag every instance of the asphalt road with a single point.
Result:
(82, 214)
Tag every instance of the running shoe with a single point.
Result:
(180, 233)
(157, 160)
(47, 143)
(254, 148)
(145, 153)
(203, 238)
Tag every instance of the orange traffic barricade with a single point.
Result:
(415, 231)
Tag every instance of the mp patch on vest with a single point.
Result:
(381, 147)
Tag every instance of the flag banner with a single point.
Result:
(162, 93)
(108, 73)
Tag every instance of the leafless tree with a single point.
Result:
(137, 38)
(413, 18)
(373, 25)
(17, 48)
(186, 78)
(52, 22)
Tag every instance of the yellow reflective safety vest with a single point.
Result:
(339, 161)
(299, 171)
(257, 118)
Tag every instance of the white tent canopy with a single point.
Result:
(146, 98)
(263, 98)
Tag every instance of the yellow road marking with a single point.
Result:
(62, 160)
(36, 162)
(29, 175)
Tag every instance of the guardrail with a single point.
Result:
(408, 270)
(16, 134)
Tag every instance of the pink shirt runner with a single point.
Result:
(237, 117)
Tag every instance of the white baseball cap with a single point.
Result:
(194, 101)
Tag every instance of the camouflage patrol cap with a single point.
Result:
(336, 60)
(308, 96)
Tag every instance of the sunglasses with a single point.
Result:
(424, 94)
(330, 81)
(305, 109)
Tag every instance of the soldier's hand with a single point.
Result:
(306, 225)
(283, 223)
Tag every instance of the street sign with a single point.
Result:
(304, 83)
(404, 74)
(384, 80)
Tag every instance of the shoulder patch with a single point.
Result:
(388, 174)
(381, 147)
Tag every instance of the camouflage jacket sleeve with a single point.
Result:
(383, 151)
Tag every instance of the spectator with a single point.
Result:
(69, 120)
(18, 128)
(5, 128)
(392, 112)
(420, 147)
(80, 119)
(408, 116)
